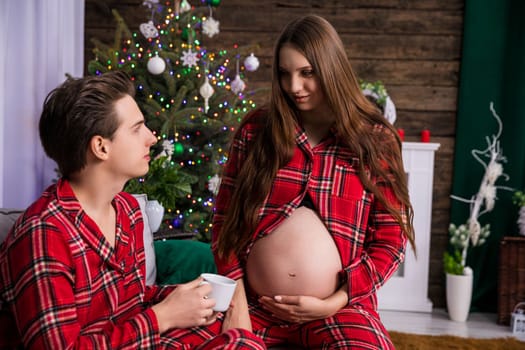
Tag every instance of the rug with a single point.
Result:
(404, 341)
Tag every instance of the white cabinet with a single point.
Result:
(407, 289)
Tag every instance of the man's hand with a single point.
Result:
(186, 306)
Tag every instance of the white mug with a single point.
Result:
(222, 289)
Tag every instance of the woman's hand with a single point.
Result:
(297, 309)
(301, 308)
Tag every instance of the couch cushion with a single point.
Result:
(7, 219)
(180, 261)
(9, 338)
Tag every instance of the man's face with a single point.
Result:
(129, 149)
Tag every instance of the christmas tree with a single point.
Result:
(192, 99)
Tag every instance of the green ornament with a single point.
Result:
(178, 148)
(214, 3)
(184, 34)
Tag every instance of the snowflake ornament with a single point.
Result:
(210, 27)
(148, 30)
(189, 58)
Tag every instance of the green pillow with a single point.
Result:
(180, 261)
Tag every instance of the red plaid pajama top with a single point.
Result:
(370, 242)
(66, 287)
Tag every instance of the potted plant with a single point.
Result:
(164, 184)
(518, 198)
(459, 276)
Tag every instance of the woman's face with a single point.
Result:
(299, 81)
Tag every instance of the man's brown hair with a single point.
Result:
(77, 110)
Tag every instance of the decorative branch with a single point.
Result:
(484, 200)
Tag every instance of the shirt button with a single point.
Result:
(122, 264)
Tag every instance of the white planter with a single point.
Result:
(459, 296)
(155, 212)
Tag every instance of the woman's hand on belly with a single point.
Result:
(301, 309)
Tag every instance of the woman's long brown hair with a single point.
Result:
(379, 153)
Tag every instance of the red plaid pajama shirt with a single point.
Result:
(66, 287)
(370, 242)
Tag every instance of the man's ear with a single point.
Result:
(99, 147)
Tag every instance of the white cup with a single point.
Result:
(222, 289)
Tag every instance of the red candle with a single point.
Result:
(401, 134)
(425, 135)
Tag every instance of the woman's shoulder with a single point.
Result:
(256, 118)
(252, 123)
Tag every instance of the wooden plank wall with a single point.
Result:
(413, 46)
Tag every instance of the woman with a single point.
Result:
(313, 213)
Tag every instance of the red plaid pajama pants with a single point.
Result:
(350, 328)
(211, 338)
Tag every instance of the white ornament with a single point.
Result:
(390, 110)
(185, 6)
(206, 91)
(148, 30)
(189, 58)
(156, 65)
(167, 148)
(213, 184)
(155, 212)
(150, 3)
(210, 27)
(237, 85)
(251, 63)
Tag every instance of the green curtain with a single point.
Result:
(492, 69)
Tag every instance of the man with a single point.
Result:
(72, 268)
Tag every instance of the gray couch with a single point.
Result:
(8, 337)
(7, 219)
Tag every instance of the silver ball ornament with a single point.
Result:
(251, 63)
(156, 65)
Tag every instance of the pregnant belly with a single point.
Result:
(298, 258)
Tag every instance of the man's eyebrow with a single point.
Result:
(138, 123)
